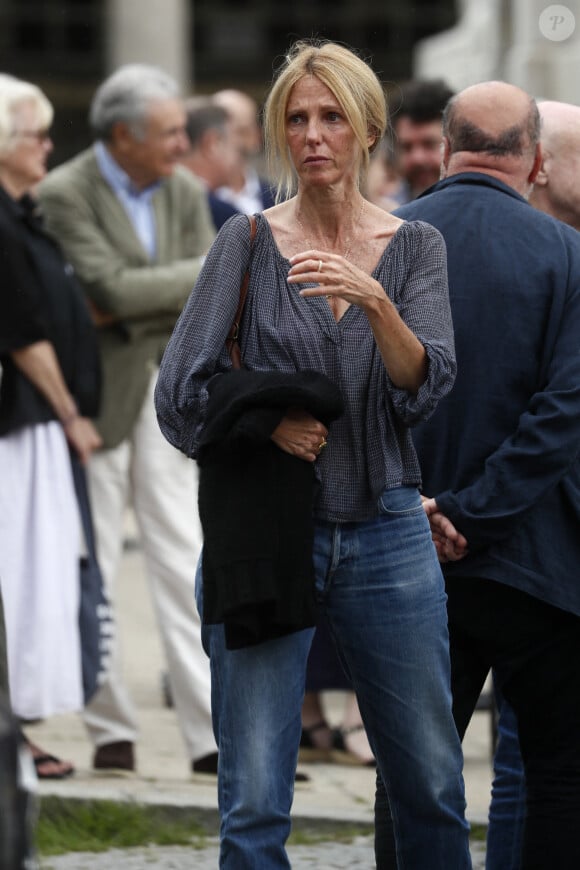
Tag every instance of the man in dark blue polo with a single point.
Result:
(500, 455)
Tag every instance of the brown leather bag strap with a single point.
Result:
(232, 339)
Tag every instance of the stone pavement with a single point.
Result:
(334, 792)
(357, 855)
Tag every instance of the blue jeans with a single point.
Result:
(508, 795)
(381, 587)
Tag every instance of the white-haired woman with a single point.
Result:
(341, 288)
(49, 388)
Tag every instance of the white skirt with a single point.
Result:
(40, 535)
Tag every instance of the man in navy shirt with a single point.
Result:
(500, 455)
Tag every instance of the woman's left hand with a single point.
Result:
(335, 277)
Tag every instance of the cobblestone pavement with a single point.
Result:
(322, 856)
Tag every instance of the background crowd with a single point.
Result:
(99, 257)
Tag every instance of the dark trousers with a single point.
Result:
(534, 649)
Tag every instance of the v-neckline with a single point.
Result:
(285, 263)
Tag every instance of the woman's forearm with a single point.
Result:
(40, 364)
(403, 354)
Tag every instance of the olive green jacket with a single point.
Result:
(143, 297)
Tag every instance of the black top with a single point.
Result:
(40, 299)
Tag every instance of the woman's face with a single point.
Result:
(24, 164)
(321, 142)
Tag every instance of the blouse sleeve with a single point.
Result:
(422, 301)
(21, 318)
(196, 350)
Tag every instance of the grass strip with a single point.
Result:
(66, 825)
(96, 826)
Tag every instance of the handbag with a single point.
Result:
(232, 344)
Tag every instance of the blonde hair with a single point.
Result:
(352, 82)
(14, 93)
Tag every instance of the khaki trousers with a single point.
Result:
(161, 485)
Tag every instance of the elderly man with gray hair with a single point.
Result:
(136, 226)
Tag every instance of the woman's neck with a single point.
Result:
(332, 219)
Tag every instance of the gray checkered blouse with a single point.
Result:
(369, 447)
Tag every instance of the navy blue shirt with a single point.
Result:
(221, 211)
(501, 452)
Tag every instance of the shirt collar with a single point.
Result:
(252, 185)
(24, 209)
(117, 178)
(481, 178)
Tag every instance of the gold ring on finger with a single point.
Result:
(320, 265)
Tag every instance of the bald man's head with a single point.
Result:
(493, 128)
(557, 186)
(560, 125)
(492, 118)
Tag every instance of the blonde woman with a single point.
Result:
(341, 288)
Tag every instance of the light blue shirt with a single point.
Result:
(137, 203)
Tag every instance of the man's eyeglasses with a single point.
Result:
(41, 136)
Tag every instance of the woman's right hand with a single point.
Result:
(300, 434)
(83, 437)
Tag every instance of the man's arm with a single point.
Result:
(450, 544)
(116, 288)
(533, 460)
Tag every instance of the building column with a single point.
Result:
(526, 42)
(544, 56)
(465, 54)
(157, 32)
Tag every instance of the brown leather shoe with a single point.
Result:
(206, 764)
(115, 758)
(209, 764)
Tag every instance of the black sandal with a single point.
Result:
(342, 754)
(42, 760)
(309, 749)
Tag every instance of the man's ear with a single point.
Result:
(537, 165)
(209, 140)
(445, 152)
(121, 135)
(541, 179)
(445, 157)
